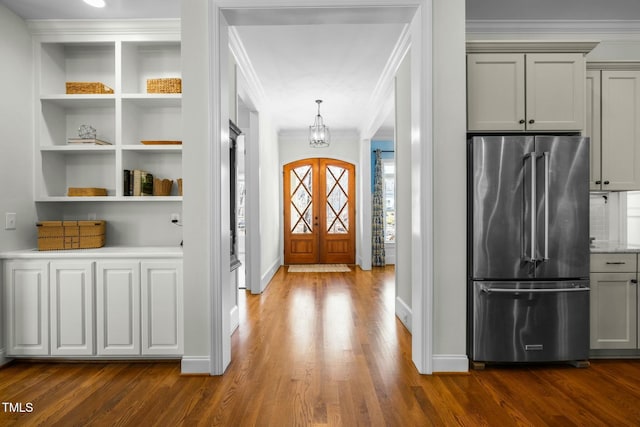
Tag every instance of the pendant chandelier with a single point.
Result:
(319, 135)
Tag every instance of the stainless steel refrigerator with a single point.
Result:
(528, 249)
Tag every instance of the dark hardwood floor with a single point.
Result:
(319, 349)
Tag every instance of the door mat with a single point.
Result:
(319, 268)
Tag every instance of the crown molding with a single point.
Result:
(254, 89)
(557, 26)
(614, 65)
(79, 27)
(530, 46)
(378, 107)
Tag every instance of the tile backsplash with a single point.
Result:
(599, 217)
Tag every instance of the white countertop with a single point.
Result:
(104, 252)
(613, 247)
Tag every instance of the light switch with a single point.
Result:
(10, 221)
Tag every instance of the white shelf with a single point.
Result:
(144, 199)
(124, 118)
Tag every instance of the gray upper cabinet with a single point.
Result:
(613, 124)
(525, 92)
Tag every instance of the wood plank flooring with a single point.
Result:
(320, 349)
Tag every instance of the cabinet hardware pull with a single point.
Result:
(615, 263)
(531, 121)
(634, 281)
(606, 183)
(521, 121)
(598, 182)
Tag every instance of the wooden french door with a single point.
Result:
(319, 212)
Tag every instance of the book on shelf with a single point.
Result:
(126, 183)
(94, 141)
(139, 183)
(147, 184)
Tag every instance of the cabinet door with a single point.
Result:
(118, 308)
(555, 88)
(592, 128)
(71, 306)
(621, 130)
(162, 308)
(26, 286)
(495, 92)
(613, 310)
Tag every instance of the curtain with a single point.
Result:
(377, 213)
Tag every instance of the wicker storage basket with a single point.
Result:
(88, 88)
(170, 85)
(162, 187)
(57, 235)
(86, 191)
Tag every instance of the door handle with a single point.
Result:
(535, 291)
(532, 158)
(545, 256)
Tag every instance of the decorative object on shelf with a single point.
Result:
(86, 191)
(167, 85)
(161, 142)
(319, 135)
(56, 235)
(87, 132)
(162, 187)
(179, 186)
(94, 141)
(88, 88)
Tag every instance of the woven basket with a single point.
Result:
(179, 186)
(86, 191)
(88, 88)
(169, 85)
(162, 187)
(58, 235)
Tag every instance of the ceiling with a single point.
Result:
(340, 63)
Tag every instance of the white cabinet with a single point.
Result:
(613, 115)
(26, 292)
(162, 305)
(124, 118)
(71, 308)
(94, 307)
(532, 92)
(118, 308)
(614, 301)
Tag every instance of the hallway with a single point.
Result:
(320, 349)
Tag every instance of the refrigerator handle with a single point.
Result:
(532, 158)
(546, 156)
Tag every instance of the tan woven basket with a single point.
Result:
(162, 187)
(179, 186)
(75, 88)
(86, 191)
(59, 235)
(168, 85)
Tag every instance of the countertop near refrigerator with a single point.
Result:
(604, 247)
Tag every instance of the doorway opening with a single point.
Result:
(319, 212)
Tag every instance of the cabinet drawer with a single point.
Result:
(606, 263)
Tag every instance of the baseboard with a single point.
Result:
(443, 363)
(404, 313)
(195, 365)
(266, 277)
(235, 319)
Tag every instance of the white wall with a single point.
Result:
(270, 206)
(403, 191)
(16, 144)
(16, 129)
(449, 199)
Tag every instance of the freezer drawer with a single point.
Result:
(530, 321)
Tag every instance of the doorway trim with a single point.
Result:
(214, 238)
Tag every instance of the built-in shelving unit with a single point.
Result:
(129, 115)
